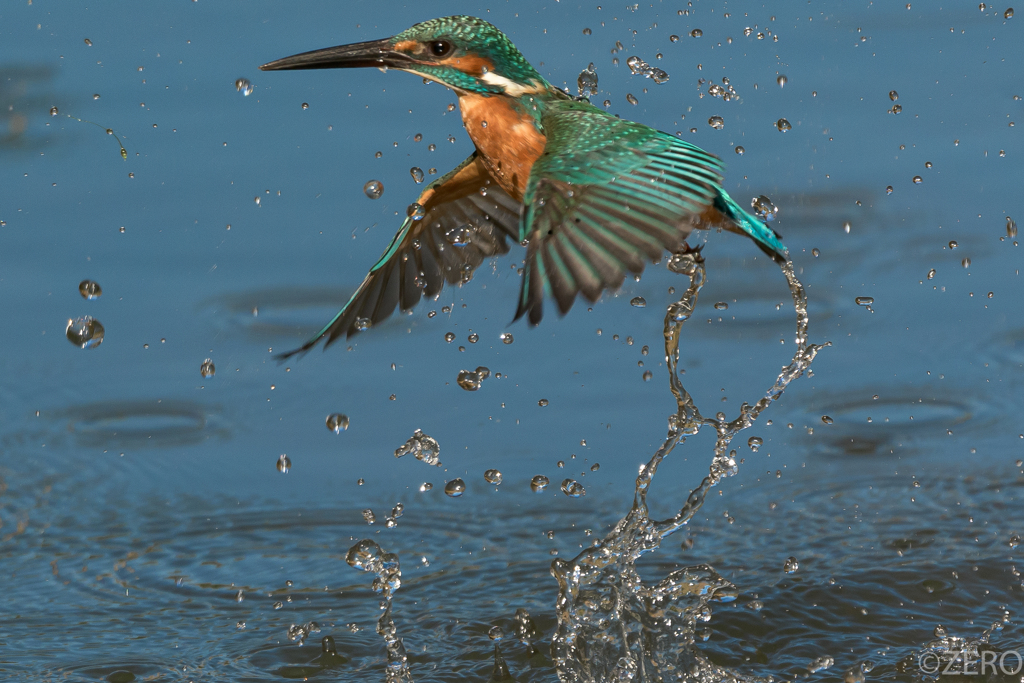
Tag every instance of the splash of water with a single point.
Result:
(370, 557)
(613, 627)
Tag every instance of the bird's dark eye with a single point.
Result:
(440, 48)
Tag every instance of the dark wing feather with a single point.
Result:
(422, 256)
(606, 196)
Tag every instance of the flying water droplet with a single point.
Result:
(888, 189)
(417, 174)
(783, 125)
(647, 376)
(53, 111)
(931, 273)
(781, 80)
(539, 483)
(966, 263)
(543, 402)
(755, 442)
(423, 447)
(369, 516)
(469, 380)
(243, 86)
(449, 337)
(740, 150)
(89, 290)
(207, 369)
(305, 105)
(721, 306)
(638, 302)
(893, 95)
(825, 419)
(492, 477)
(573, 488)
(864, 300)
(506, 338)
(455, 488)
(764, 208)
(337, 422)
(917, 180)
(1011, 228)
(587, 81)
(953, 244)
(791, 565)
(459, 236)
(284, 463)
(85, 332)
(696, 33)
(1008, 14)
(716, 122)
(631, 99)
(363, 324)
(416, 211)
(373, 189)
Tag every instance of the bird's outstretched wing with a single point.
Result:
(605, 196)
(466, 219)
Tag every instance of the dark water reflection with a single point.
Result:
(137, 498)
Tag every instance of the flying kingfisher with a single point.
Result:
(590, 195)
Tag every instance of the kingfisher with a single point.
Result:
(591, 196)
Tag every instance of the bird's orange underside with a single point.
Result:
(506, 137)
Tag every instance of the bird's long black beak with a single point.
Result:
(377, 53)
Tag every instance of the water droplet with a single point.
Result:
(1008, 14)
(888, 189)
(966, 263)
(305, 105)
(449, 337)
(243, 86)
(207, 369)
(721, 306)
(864, 300)
(638, 302)
(826, 419)
(284, 463)
(917, 180)
(764, 208)
(927, 164)
(337, 422)
(89, 290)
(631, 99)
(740, 150)
(1014, 541)
(369, 516)
(673, 38)
(363, 324)
(416, 211)
(539, 483)
(781, 80)
(586, 31)
(417, 174)
(423, 447)
(53, 111)
(543, 402)
(455, 488)
(595, 467)
(506, 338)
(647, 375)
(931, 273)
(696, 33)
(85, 332)
(492, 477)
(953, 244)
(791, 565)
(573, 488)
(373, 189)
(468, 380)
(426, 486)
(716, 122)
(88, 42)
(587, 81)
(473, 338)
(815, 252)
(755, 442)
(893, 95)
(1011, 228)
(783, 125)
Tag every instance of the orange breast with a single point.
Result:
(505, 136)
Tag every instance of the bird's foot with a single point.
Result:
(695, 251)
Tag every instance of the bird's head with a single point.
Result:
(467, 54)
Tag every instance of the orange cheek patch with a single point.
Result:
(407, 46)
(470, 64)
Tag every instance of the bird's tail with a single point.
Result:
(767, 239)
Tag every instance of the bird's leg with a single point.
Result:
(696, 251)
